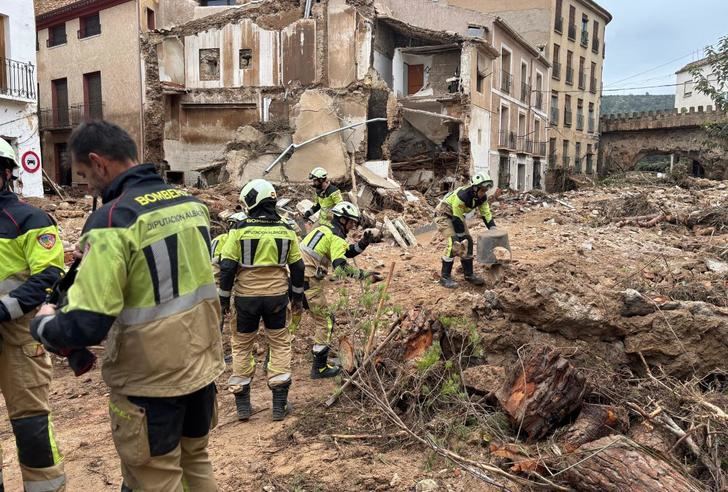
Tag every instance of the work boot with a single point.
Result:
(446, 275)
(281, 407)
(468, 270)
(242, 403)
(321, 368)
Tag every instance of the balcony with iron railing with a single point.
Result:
(559, 25)
(17, 79)
(507, 140)
(584, 38)
(554, 115)
(522, 145)
(556, 70)
(570, 75)
(539, 148)
(593, 85)
(582, 80)
(579, 121)
(525, 92)
(572, 31)
(567, 118)
(65, 118)
(595, 44)
(506, 82)
(591, 124)
(538, 100)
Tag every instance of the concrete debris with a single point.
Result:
(716, 266)
(375, 180)
(401, 233)
(427, 485)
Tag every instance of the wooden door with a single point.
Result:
(415, 78)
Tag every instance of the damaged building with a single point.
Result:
(370, 90)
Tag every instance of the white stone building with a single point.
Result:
(686, 96)
(18, 94)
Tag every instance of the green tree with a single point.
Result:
(715, 85)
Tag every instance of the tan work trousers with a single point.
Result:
(318, 306)
(186, 468)
(246, 316)
(453, 248)
(25, 378)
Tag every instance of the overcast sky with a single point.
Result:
(646, 34)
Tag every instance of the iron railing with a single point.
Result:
(556, 70)
(572, 31)
(591, 124)
(554, 115)
(570, 75)
(506, 82)
(577, 165)
(507, 140)
(582, 80)
(525, 91)
(566, 160)
(539, 148)
(522, 145)
(559, 25)
(579, 121)
(584, 38)
(17, 79)
(54, 40)
(593, 85)
(595, 44)
(69, 117)
(538, 103)
(567, 117)
(589, 164)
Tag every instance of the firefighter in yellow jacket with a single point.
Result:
(256, 259)
(145, 283)
(327, 195)
(450, 220)
(31, 261)
(323, 248)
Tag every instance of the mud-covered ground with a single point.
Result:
(571, 264)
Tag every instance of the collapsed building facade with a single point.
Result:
(278, 88)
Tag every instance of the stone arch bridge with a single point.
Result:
(627, 138)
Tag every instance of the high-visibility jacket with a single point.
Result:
(463, 200)
(324, 201)
(217, 245)
(326, 247)
(256, 257)
(145, 281)
(31, 261)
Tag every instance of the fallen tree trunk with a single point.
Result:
(616, 464)
(595, 422)
(541, 392)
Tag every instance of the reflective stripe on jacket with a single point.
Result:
(145, 281)
(31, 261)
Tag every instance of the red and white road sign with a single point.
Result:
(30, 161)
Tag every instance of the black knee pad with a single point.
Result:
(33, 439)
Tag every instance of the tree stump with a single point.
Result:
(616, 464)
(595, 422)
(541, 392)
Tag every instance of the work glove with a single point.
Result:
(307, 214)
(296, 304)
(366, 240)
(373, 276)
(225, 305)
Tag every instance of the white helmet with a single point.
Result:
(347, 210)
(318, 173)
(7, 155)
(255, 192)
(481, 180)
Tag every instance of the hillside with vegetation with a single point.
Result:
(637, 103)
